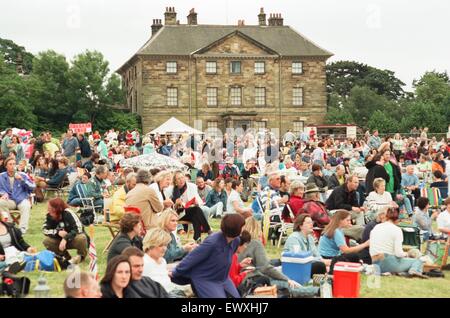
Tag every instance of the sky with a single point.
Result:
(408, 37)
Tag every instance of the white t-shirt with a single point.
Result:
(317, 155)
(234, 196)
(443, 220)
(386, 238)
(158, 272)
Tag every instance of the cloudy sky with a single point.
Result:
(408, 37)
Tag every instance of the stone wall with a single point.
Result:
(191, 81)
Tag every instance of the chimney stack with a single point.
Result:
(262, 17)
(156, 26)
(275, 19)
(170, 16)
(192, 17)
(241, 23)
(19, 64)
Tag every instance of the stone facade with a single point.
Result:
(146, 82)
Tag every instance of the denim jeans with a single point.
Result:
(396, 264)
(216, 209)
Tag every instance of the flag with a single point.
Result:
(266, 220)
(92, 253)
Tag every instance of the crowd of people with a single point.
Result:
(345, 199)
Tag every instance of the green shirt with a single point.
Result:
(5, 142)
(390, 171)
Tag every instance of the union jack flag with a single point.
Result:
(92, 254)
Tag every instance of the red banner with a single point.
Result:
(81, 128)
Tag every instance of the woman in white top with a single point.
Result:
(234, 201)
(249, 151)
(162, 182)
(386, 250)
(378, 199)
(155, 266)
(397, 145)
(187, 203)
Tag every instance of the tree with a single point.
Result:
(383, 122)
(432, 87)
(424, 114)
(363, 102)
(12, 53)
(51, 75)
(118, 119)
(15, 99)
(343, 76)
(87, 82)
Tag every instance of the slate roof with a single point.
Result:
(187, 39)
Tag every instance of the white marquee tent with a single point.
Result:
(174, 126)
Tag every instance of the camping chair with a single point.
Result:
(411, 235)
(59, 190)
(113, 228)
(285, 226)
(441, 262)
(276, 220)
(435, 198)
(87, 203)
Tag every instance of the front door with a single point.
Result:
(242, 124)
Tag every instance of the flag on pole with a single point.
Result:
(92, 253)
(266, 220)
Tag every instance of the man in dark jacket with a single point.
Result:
(375, 170)
(345, 197)
(317, 178)
(85, 148)
(141, 286)
(64, 234)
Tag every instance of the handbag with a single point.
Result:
(270, 291)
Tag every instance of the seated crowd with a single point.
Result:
(342, 209)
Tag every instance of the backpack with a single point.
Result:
(87, 217)
(250, 283)
(44, 261)
(13, 286)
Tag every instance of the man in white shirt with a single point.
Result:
(318, 155)
(443, 220)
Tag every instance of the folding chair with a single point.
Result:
(443, 260)
(114, 230)
(411, 235)
(276, 220)
(286, 226)
(59, 189)
(87, 203)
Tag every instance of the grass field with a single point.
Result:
(388, 287)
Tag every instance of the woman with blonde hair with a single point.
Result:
(253, 226)
(168, 221)
(155, 266)
(379, 199)
(332, 243)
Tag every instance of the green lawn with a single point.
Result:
(388, 287)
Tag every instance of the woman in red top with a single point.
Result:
(295, 202)
(129, 138)
(238, 271)
(96, 135)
